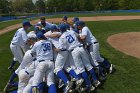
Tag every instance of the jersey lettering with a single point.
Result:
(70, 38)
(46, 46)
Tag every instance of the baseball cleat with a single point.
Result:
(97, 83)
(111, 69)
(60, 84)
(92, 88)
(8, 86)
(68, 87)
(79, 83)
(35, 90)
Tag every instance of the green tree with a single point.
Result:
(40, 6)
(5, 6)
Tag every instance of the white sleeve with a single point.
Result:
(33, 50)
(84, 32)
(59, 33)
(24, 36)
(62, 43)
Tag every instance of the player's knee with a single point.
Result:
(56, 70)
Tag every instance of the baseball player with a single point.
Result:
(65, 19)
(73, 25)
(27, 59)
(44, 55)
(69, 41)
(18, 44)
(69, 65)
(43, 24)
(93, 44)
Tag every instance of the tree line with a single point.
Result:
(46, 6)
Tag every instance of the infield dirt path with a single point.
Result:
(55, 20)
(128, 43)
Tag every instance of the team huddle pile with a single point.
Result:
(54, 57)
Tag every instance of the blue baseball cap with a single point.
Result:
(80, 23)
(40, 35)
(26, 23)
(62, 27)
(65, 17)
(75, 19)
(53, 27)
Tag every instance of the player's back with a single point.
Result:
(70, 39)
(54, 40)
(89, 36)
(20, 37)
(43, 49)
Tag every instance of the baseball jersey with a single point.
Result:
(54, 40)
(46, 25)
(69, 40)
(20, 37)
(31, 34)
(43, 50)
(89, 37)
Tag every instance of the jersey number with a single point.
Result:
(46, 46)
(70, 38)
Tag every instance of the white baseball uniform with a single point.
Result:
(24, 76)
(94, 45)
(18, 44)
(28, 57)
(69, 41)
(46, 25)
(54, 40)
(44, 55)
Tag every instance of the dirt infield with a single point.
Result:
(55, 20)
(128, 43)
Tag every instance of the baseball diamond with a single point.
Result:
(65, 57)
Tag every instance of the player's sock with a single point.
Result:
(12, 64)
(92, 72)
(62, 76)
(86, 79)
(52, 89)
(41, 86)
(101, 71)
(106, 64)
(13, 76)
(73, 74)
(15, 84)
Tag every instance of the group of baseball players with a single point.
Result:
(54, 58)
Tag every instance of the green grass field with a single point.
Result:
(124, 80)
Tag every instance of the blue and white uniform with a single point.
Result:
(94, 45)
(18, 44)
(44, 55)
(69, 41)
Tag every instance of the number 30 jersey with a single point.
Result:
(43, 50)
(69, 40)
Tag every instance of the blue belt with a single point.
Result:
(43, 60)
(13, 44)
(95, 42)
(78, 46)
(27, 72)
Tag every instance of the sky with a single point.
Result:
(34, 1)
